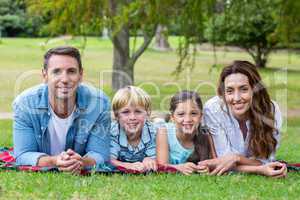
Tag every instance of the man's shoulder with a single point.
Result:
(91, 92)
(31, 96)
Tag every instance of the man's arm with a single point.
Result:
(98, 143)
(25, 144)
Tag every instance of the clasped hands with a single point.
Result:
(69, 161)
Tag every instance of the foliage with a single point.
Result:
(249, 24)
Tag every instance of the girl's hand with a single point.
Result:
(202, 169)
(187, 168)
(149, 164)
(274, 169)
(220, 165)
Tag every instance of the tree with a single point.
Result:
(122, 19)
(249, 24)
(161, 39)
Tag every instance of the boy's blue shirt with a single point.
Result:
(88, 135)
(122, 151)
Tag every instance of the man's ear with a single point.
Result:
(45, 75)
(81, 74)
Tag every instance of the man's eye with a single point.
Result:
(72, 71)
(56, 71)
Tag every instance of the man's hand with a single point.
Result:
(274, 169)
(69, 161)
(149, 164)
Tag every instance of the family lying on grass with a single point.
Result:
(68, 125)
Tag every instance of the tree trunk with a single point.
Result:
(260, 57)
(122, 70)
(161, 39)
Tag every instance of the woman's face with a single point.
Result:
(238, 95)
(187, 117)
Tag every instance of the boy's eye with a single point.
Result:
(125, 112)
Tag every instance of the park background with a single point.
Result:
(162, 46)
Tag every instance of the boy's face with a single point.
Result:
(132, 119)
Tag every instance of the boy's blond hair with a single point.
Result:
(133, 96)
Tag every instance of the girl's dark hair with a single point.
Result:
(202, 150)
(261, 112)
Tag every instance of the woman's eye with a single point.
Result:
(245, 89)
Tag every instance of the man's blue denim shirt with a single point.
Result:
(88, 135)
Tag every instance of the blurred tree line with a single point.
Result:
(257, 26)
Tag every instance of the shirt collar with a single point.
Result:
(145, 138)
(82, 99)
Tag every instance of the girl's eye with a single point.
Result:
(138, 112)
(180, 114)
(194, 113)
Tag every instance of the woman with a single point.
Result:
(244, 123)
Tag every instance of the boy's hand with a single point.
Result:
(150, 164)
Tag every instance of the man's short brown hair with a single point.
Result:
(65, 51)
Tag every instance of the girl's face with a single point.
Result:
(238, 94)
(187, 117)
(132, 118)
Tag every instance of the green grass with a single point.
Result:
(25, 185)
(20, 67)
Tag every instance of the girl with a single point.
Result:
(184, 142)
(132, 135)
(244, 123)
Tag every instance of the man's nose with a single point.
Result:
(64, 77)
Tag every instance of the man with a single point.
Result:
(62, 123)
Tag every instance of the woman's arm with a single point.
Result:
(272, 169)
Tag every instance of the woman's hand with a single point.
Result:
(273, 169)
(149, 164)
(221, 165)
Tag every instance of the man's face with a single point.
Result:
(62, 76)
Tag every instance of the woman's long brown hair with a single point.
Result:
(261, 112)
(203, 144)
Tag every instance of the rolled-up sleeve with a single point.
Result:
(25, 144)
(98, 143)
(218, 132)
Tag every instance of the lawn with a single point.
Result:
(25, 185)
(20, 67)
